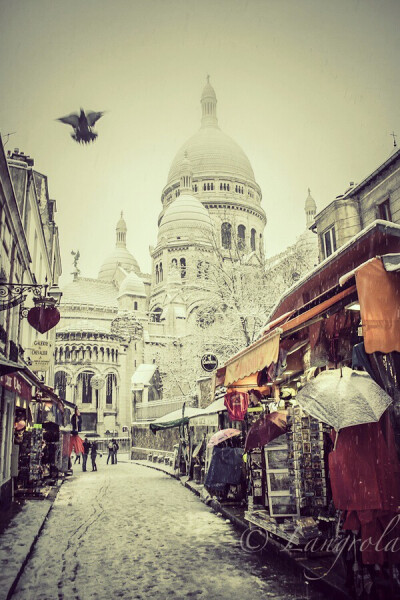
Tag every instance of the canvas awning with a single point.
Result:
(253, 358)
(9, 366)
(175, 418)
(379, 297)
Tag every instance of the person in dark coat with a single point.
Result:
(115, 450)
(93, 455)
(86, 448)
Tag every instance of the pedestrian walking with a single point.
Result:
(115, 450)
(86, 448)
(77, 459)
(93, 455)
(110, 452)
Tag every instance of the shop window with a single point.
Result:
(329, 242)
(241, 237)
(183, 267)
(253, 240)
(384, 211)
(226, 235)
(111, 385)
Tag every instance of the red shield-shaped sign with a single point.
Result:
(43, 318)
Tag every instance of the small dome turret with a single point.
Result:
(310, 209)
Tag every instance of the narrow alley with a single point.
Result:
(134, 533)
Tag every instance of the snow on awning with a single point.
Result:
(391, 263)
(253, 358)
(176, 418)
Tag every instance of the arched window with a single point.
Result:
(183, 267)
(135, 306)
(228, 187)
(111, 386)
(253, 240)
(226, 235)
(84, 387)
(261, 244)
(161, 272)
(212, 186)
(204, 187)
(241, 237)
(174, 263)
(157, 274)
(60, 384)
(199, 269)
(155, 316)
(220, 186)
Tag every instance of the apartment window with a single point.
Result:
(384, 211)
(329, 242)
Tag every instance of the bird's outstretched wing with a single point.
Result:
(72, 119)
(92, 117)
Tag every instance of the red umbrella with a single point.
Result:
(76, 443)
(221, 436)
(266, 429)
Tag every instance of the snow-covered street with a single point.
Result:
(127, 531)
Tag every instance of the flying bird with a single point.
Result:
(82, 125)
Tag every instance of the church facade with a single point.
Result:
(112, 326)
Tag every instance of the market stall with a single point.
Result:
(322, 469)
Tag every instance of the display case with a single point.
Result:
(280, 498)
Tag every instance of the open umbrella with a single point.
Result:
(343, 397)
(221, 436)
(267, 428)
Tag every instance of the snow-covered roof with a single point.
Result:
(90, 291)
(142, 376)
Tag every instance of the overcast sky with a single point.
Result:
(309, 90)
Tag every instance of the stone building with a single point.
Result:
(29, 256)
(113, 326)
(376, 197)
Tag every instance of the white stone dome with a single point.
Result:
(212, 154)
(186, 214)
(132, 285)
(120, 256)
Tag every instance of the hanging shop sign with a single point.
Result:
(40, 355)
(209, 362)
(43, 318)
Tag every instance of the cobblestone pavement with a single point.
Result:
(131, 532)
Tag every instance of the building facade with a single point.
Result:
(377, 197)
(29, 255)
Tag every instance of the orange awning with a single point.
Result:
(379, 298)
(317, 310)
(253, 358)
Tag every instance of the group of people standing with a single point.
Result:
(91, 448)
